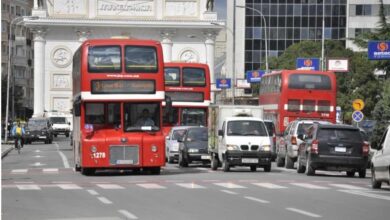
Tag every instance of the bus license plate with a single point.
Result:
(250, 160)
(124, 162)
(205, 157)
(340, 149)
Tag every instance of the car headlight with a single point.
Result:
(28, 132)
(266, 148)
(232, 147)
(192, 150)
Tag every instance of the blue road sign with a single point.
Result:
(357, 116)
(379, 50)
(224, 83)
(254, 76)
(308, 64)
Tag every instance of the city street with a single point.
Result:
(40, 183)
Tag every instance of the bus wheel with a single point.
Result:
(87, 171)
(155, 170)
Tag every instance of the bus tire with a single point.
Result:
(87, 171)
(155, 170)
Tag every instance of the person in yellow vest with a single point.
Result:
(18, 132)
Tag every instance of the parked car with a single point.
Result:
(288, 148)
(193, 146)
(38, 129)
(171, 144)
(380, 163)
(272, 133)
(334, 148)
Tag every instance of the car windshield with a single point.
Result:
(36, 124)
(246, 128)
(270, 127)
(58, 120)
(197, 134)
(178, 134)
(303, 128)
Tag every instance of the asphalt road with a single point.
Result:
(40, 183)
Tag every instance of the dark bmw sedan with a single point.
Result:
(193, 146)
(38, 129)
(334, 148)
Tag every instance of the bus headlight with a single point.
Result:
(232, 147)
(154, 148)
(266, 148)
(93, 149)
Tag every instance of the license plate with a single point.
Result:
(340, 149)
(250, 160)
(205, 157)
(124, 162)
(42, 137)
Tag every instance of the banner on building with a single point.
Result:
(379, 50)
(224, 83)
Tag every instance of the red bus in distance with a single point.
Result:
(287, 95)
(188, 86)
(118, 91)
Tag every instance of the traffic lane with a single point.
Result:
(53, 202)
(172, 201)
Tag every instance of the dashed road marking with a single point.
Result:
(19, 171)
(62, 155)
(68, 186)
(303, 212)
(50, 170)
(230, 185)
(127, 214)
(347, 186)
(28, 187)
(229, 192)
(256, 199)
(92, 192)
(104, 200)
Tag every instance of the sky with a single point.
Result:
(220, 7)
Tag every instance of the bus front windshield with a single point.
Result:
(141, 116)
(193, 116)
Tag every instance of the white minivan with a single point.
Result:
(380, 162)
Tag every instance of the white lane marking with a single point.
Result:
(229, 192)
(104, 200)
(38, 164)
(347, 186)
(110, 186)
(92, 192)
(256, 199)
(127, 214)
(190, 185)
(28, 187)
(303, 212)
(68, 186)
(366, 194)
(50, 170)
(230, 185)
(37, 151)
(19, 171)
(151, 186)
(269, 185)
(38, 156)
(309, 186)
(62, 155)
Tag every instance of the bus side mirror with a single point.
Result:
(168, 108)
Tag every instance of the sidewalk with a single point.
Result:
(6, 148)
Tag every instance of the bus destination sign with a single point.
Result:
(123, 87)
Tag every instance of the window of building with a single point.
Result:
(363, 10)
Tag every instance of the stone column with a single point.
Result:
(166, 44)
(39, 71)
(210, 47)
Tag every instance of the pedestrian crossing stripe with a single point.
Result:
(190, 185)
(110, 186)
(269, 185)
(151, 186)
(309, 186)
(230, 185)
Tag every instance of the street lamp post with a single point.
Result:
(265, 33)
(10, 45)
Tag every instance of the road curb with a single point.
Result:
(3, 154)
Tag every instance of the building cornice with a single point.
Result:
(71, 22)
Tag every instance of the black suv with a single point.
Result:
(193, 146)
(335, 148)
(38, 129)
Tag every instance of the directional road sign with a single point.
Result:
(357, 116)
(358, 104)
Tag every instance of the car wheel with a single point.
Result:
(309, 169)
(214, 162)
(225, 165)
(267, 168)
(350, 173)
(279, 162)
(300, 167)
(253, 168)
(170, 160)
(362, 173)
(289, 162)
(374, 183)
(182, 161)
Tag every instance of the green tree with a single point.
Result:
(381, 114)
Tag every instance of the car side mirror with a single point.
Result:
(220, 132)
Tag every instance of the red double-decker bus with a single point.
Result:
(188, 86)
(118, 91)
(290, 94)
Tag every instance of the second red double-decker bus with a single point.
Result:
(118, 90)
(290, 94)
(188, 86)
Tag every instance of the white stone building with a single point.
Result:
(186, 29)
